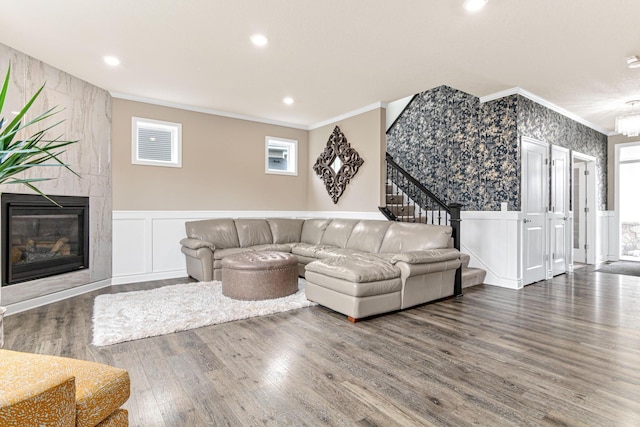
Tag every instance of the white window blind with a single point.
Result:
(156, 143)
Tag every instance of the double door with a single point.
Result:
(545, 207)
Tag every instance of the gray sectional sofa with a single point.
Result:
(356, 267)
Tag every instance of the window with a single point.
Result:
(156, 143)
(281, 156)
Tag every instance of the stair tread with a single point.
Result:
(472, 276)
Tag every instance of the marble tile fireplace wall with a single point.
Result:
(87, 115)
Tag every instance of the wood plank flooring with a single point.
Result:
(564, 352)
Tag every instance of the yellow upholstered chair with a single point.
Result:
(40, 390)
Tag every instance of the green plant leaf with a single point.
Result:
(19, 153)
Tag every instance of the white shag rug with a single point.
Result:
(128, 316)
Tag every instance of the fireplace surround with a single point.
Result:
(40, 239)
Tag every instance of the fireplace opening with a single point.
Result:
(40, 239)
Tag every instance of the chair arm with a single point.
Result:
(427, 256)
(47, 400)
(196, 244)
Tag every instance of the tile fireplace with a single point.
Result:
(40, 239)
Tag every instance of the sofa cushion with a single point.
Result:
(286, 230)
(220, 232)
(367, 235)
(221, 253)
(313, 229)
(308, 250)
(331, 251)
(357, 268)
(406, 237)
(338, 232)
(252, 232)
(273, 247)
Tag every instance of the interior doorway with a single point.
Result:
(583, 207)
(628, 203)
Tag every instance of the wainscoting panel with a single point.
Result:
(129, 249)
(166, 254)
(493, 240)
(146, 243)
(607, 235)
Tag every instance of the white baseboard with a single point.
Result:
(56, 296)
(148, 277)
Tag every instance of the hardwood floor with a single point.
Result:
(559, 352)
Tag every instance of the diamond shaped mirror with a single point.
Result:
(337, 164)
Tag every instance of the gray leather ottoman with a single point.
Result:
(259, 275)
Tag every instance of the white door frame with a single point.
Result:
(582, 238)
(616, 166)
(590, 216)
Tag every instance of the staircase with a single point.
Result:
(409, 201)
(471, 276)
(404, 209)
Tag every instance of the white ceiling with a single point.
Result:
(336, 56)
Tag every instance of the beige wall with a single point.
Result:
(222, 165)
(366, 134)
(611, 162)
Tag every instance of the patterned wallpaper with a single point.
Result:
(546, 125)
(469, 152)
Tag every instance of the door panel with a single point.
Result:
(559, 213)
(535, 184)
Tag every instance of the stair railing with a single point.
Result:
(418, 204)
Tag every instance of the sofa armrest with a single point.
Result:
(427, 256)
(196, 244)
(35, 395)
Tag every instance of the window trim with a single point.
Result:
(176, 142)
(292, 149)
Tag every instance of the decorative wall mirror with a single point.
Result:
(337, 164)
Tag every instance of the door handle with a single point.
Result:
(526, 220)
(565, 218)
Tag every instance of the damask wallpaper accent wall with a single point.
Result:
(543, 124)
(469, 152)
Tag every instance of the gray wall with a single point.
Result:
(469, 152)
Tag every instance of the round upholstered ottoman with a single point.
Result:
(259, 275)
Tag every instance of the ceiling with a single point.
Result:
(336, 56)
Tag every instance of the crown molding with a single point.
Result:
(348, 115)
(206, 110)
(248, 118)
(544, 103)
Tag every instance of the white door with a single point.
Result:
(559, 213)
(535, 185)
(579, 217)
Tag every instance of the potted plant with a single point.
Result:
(20, 151)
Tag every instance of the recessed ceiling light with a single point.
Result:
(111, 60)
(633, 62)
(474, 5)
(259, 40)
(288, 100)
